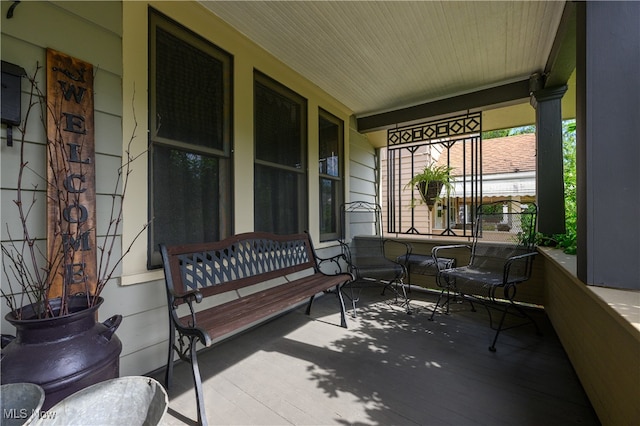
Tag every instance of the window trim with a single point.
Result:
(269, 83)
(332, 236)
(226, 213)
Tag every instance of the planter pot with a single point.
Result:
(430, 192)
(62, 354)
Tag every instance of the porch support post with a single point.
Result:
(608, 151)
(549, 178)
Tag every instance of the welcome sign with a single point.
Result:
(71, 192)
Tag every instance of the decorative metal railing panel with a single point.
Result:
(445, 128)
(454, 143)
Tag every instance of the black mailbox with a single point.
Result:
(11, 92)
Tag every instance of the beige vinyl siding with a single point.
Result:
(423, 216)
(25, 37)
(144, 330)
(362, 169)
(35, 27)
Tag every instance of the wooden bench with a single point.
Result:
(286, 265)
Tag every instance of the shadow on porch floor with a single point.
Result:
(388, 368)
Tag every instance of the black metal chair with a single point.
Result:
(501, 258)
(368, 255)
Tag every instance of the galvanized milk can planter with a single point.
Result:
(54, 281)
(62, 354)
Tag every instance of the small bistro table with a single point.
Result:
(423, 264)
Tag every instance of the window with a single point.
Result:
(280, 182)
(331, 135)
(190, 138)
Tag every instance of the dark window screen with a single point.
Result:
(278, 126)
(277, 200)
(189, 93)
(280, 198)
(190, 104)
(187, 204)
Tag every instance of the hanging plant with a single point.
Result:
(430, 182)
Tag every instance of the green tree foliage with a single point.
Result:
(490, 134)
(568, 240)
(523, 130)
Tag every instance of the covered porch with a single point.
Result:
(386, 368)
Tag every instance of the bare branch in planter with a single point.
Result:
(106, 272)
(29, 270)
(26, 264)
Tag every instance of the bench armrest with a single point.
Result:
(332, 261)
(189, 296)
(192, 328)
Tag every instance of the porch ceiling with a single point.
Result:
(381, 56)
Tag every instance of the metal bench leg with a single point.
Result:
(308, 310)
(168, 375)
(197, 380)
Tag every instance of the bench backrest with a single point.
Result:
(235, 262)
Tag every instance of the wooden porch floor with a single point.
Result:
(388, 368)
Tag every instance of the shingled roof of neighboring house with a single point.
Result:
(509, 154)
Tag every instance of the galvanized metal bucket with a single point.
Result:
(20, 403)
(132, 400)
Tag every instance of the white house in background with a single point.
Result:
(508, 173)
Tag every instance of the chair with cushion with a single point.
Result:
(500, 259)
(368, 255)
